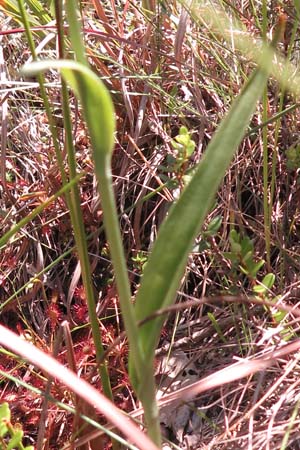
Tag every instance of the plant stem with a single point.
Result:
(266, 201)
(111, 225)
(78, 225)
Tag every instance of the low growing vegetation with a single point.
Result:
(149, 288)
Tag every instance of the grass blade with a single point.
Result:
(167, 261)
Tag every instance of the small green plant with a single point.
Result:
(293, 157)
(184, 147)
(244, 261)
(177, 163)
(242, 255)
(263, 291)
(11, 436)
(167, 261)
(140, 261)
(210, 232)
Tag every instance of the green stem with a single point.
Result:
(73, 200)
(81, 244)
(112, 229)
(266, 202)
(78, 224)
(151, 411)
(143, 368)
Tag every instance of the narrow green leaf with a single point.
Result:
(37, 14)
(236, 248)
(231, 256)
(256, 268)
(234, 237)
(297, 7)
(168, 258)
(247, 247)
(216, 326)
(37, 9)
(75, 31)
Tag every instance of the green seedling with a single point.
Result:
(184, 147)
(242, 255)
(140, 261)
(217, 327)
(210, 232)
(293, 157)
(177, 163)
(11, 436)
(263, 291)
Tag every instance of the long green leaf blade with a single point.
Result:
(169, 255)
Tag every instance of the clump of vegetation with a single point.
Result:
(148, 205)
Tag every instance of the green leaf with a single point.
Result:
(37, 13)
(256, 267)
(75, 32)
(4, 411)
(38, 10)
(231, 256)
(236, 248)
(297, 7)
(184, 144)
(15, 440)
(202, 246)
(266, 284)
(247, 258)
(258, 289)
(100, 119)
(213, 226)
(247, 247)
(279, 316)
(183, 131)
(216, 327)
(251, 267)
(269, 280)
(167, 261)
(4, 418)
(95, 99)
(234, 237)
